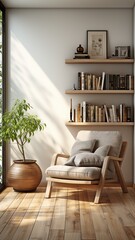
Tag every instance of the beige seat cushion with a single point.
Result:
(78, 173)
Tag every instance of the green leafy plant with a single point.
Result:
(18, 125)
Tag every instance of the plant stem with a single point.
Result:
(21, 148)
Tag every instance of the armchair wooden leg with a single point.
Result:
(48, 189)
(98, 194)
(120, 177)
(102, 181)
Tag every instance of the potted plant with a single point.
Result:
(19, 125)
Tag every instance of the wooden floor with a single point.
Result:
(68, 215)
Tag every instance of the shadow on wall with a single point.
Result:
(27, 80)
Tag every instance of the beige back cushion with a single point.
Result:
(112, 138)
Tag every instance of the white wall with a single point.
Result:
(39, 41)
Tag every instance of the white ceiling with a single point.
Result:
(68, 3)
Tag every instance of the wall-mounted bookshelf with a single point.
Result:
(94, 115)
(99, 61)
(99, 124)
(99, 92)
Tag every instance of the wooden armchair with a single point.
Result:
(95, 174)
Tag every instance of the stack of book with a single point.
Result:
(81, 56)
(87, 112)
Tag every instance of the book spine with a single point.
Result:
(82, 81)
(114, 113)
(89, 79)
(79, 112)
(88, 112)
(71, 111)
(121, 112)
(131, 82)
(106, 113)
(129, 117)
(92, 113)
(84, 111)
(96, 113)
(94, 82)
(103, 80)
(79, 81)
(99, 83)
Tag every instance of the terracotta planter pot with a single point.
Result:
(24, 176)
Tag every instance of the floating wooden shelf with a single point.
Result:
(99, 61)
(99, 91)
(99, 124)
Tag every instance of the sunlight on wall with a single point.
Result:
(29, 81)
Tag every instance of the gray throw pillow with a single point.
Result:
(81, 146)
(78, 147)
(70, 161)
(87, 159)
(103, 150)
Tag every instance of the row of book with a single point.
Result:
(105, 81)
(87, 112)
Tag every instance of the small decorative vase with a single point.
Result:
(80, 49)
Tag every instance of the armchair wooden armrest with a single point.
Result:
(116, 158)
(58, 155)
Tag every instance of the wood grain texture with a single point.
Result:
(101, 61)
(99, 92)
(69, 214)
(74, 124)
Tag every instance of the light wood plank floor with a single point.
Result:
(68, 215)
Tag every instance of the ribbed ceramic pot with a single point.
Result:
(24, 176)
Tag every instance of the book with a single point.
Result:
(84, 111)
(124, 113)
(129, 116)
(121, 112)
(96, 113)
(93, 82)
(78, 115)
(103, 80)
(106, 86)
(114, 113)
(99, 83)
(106, 113)
(79, 80)
(131, 82)
(122, 82)
(111, 82)
(111, 118)
(92, 111)
(88, 114)
(89, 81)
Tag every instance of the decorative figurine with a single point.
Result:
(80, 49)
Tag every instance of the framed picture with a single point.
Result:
(122, 51)
(97, 43)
